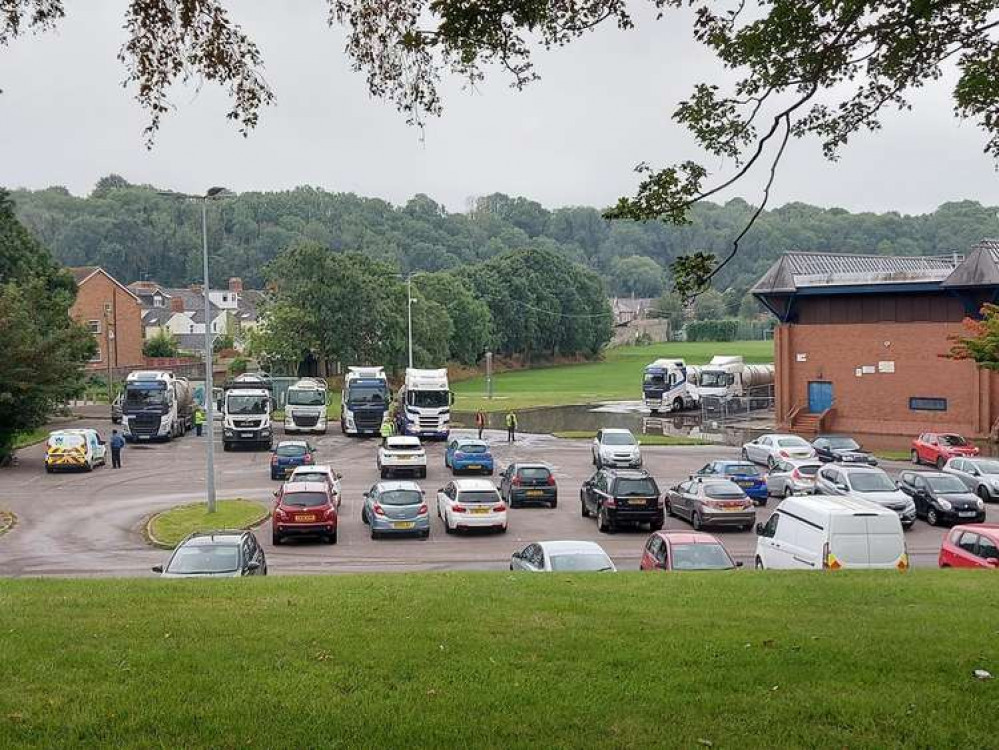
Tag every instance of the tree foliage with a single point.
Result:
(161, 344)
(981, 342)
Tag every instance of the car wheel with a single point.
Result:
(364, 516)
(48, 469)
(745, 455)
(940, 462)
(583, 511)
(931, 516)
(329, 539)
(604, 524)
(695, 521)
(785, 493)
(759, 563)
(374, 534)
(914, 457)
(276, 540)
(983, 493)
(771, 463)
(553, 504)
(333, 537)
(655, 525)
(747, 527)
(447, 526)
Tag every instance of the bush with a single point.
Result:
(238, 366)
(162, 344)
(713, 330)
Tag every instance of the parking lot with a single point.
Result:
(90, 524)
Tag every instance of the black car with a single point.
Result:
(216, 554)
(842, 449)
(621, 496)
(941, 498)
(528, 483)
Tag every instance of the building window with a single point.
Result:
(94, 326)
(157, 301)
(96, 357)
(922, 403)
(107, 308)
(191, 328)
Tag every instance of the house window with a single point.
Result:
(107, 308)
(191, 328)
(94, 326)
(96, 357)
(157, 301)
(922, 403)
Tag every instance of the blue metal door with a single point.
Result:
(820, 396)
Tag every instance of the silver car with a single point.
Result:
(711, 502)
(392, 508)
(866, 483)
(788, 478)
(769, 449)
(980, 475)
(562, 557)
(616, 447)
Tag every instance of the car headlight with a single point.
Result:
(980, 504)
(945, 504)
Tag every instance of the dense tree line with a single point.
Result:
(346, 307)
(136, 233)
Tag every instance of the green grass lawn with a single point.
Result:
(618, 376)
(495, 660)
(30, 437)
(172, 525)
(893, 455)
(642, 439)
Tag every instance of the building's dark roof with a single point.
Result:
(980, 268)
(194, 304)
(249, 301)
(190, 342)
(156, 316)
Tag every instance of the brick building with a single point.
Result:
(860, 340)
(114, 316)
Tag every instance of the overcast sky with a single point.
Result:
(603, 105)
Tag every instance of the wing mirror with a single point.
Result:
(841, 487)
(759, 529)
(337, 475)
(157, 568)
(253, 565)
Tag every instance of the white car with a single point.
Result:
(402, 453)
(788, 478)
(318, 473)
(866, 483)
(471, 504)
(769, 449)
(818, 532)
(562, 557)
(616, 447)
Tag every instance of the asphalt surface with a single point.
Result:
(90, 524)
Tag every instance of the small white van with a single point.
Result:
(819, 532)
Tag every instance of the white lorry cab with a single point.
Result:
(246, 406)
(819, 532)
(425, 404)
(305, 406)
(364, 400)
(156, 405)
(727, 377)
(667, 385)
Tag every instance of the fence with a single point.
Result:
(719, 409)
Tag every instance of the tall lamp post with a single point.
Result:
(214, 193)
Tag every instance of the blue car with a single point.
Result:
(396, 508)
(290, 454)
(468, 454)
(744, 473)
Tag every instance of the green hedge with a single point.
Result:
(713, 330)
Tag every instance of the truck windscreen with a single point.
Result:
(655, 379)
(428, 399)
(236, 404)
(306, 398)
(367, 395)
(716, 379)
(142, 395)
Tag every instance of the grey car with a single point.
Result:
(562, 557)
(711, 502)
(392, 508)
(216, 554)
(788, 478)
(866, 483)
(524, 483)
(980, 475)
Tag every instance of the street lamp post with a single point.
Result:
(409, 315)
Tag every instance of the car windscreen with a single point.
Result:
(723, 491)
(871, 481)
(986, 467)
(741, 469)
(367, 395)
(472, 448)
(843, 443)
(617, 438)
(792, 442)
(581, 561)
(635, 487)
(946, 485)
(953, 440)
(246, 404)
(700, 557)
(428, 399)
(291, 450)
(145, 394)
(205, 558)
(304, 499)
(401, 497)
(534, 473)
(306, 398)
(478, 496)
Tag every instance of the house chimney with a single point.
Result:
(177, 304)
(235, 284)
(149, 286)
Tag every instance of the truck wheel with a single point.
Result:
(678, 404)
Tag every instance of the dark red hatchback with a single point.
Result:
(304, 509)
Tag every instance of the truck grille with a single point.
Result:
(305, 420)
(246, 423)
(368, 419)
(144, 424)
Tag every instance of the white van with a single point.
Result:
(820, 532)
(75, 449)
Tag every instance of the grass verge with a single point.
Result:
(642, 439)
(30, 437)
(503, 661)
(617, 377)
(166, 529)
(892, 455)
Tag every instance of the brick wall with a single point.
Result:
(878, 402)
(124, 316)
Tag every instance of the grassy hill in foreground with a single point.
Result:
(502, 660)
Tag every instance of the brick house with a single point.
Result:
(114, 316)
(860, 340)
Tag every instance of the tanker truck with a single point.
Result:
(726, 377)
(156, 405)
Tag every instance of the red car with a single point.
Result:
(685, 550)
(973, 545)
(304, 509)
(938, 448)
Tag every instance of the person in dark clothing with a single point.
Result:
(117, 443)
(480, 422)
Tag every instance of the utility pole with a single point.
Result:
(409, 314)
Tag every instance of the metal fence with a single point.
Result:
(716, 409)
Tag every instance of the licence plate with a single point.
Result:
(534, 493)
(745, 483)
(967, 513)
(246, 434)
(474, 467)
(732, 507)
(480, 511)
(636, 502)
(305, 519)
(403, 524)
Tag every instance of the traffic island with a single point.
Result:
(7, 521)
(167, 528)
